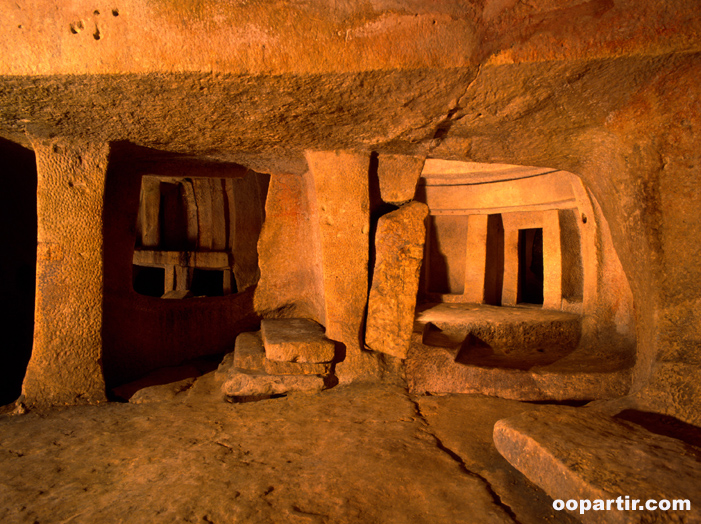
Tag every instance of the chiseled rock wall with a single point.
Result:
(606, 90)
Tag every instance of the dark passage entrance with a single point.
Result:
(18, 229)
(530, 266)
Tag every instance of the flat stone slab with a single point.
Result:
(470, 367)
(252, 384)
(274, 367)
(517, 353)
(296, 340)
(579, 453)
(508, 330)
(249, 355)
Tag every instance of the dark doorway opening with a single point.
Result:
(530, 266)
(18, 229)
(494, 268)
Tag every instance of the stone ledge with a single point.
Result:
(578, 453)
(296, 340)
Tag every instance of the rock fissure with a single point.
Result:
(443, 127)
(461, 463)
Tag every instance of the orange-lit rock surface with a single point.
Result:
(395, 280)
(580, 454)
(312, 94)
(66, 358)
(354, 455)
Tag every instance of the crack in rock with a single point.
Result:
(443, 127)
(458, 459)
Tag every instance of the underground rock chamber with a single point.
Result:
(521, 288)
(520, 293)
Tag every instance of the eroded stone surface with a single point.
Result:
(296, 340)
(509, 331)
(249, 353)
(290, 277)
(464, 424)
(259, 384)
(341, 182)
(65, 366)
(274, 367)
(162, 393)
(582, 454)
(399, 245)
(578, 376)
(398, 175)
(355, 455)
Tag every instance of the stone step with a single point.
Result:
(249, 355)
(247, 373)
(457, 367)
(577, 454)
(296, 340)
(260, 384)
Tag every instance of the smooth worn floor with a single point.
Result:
(360, 454)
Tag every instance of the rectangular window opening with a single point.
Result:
(149, 281)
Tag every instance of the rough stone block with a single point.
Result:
(252, 384)
(395, 282)
(249, 353)
(398, 175)
(274, 367)
(296, 340)
(574, 453)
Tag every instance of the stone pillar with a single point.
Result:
(475, 258)
(65, 367)
(150, 211)
(509, 294)
(399, 244)
(552, 260)
(203, 199)
(342, 195)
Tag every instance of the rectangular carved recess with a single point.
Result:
(184, 244)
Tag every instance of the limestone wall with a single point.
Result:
(606, 90)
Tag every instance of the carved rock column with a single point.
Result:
(65, 367)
